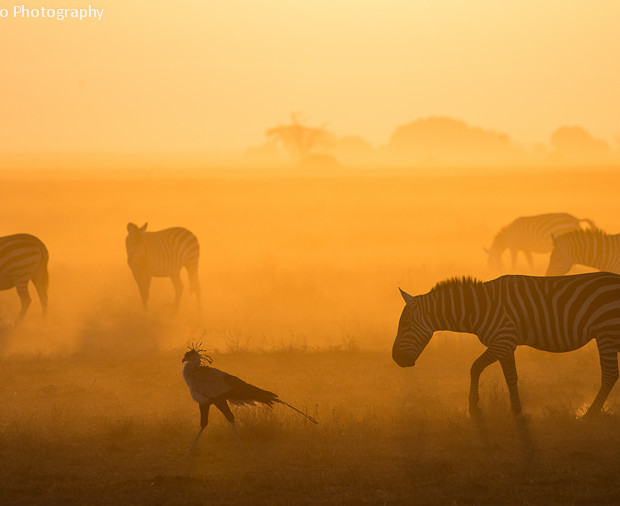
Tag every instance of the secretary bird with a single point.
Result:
(209, 385)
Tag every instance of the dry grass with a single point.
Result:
(104, 430)
(300, 280)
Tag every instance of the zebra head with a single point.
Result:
(561, 259)
(498, 246)
(495, 255)
(413, 332)
(136, 250)
(132, 228)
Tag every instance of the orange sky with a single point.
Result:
(196, 75)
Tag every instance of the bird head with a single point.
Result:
(195, 354)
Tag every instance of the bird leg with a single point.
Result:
(223, 406)
(234, 426)
(204, 420)
(194, 441)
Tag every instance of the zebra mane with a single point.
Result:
(456, 281)
(593, 234)
(501, 233)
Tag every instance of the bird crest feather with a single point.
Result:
(197, 347)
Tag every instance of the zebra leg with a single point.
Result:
(22, 291)
(144, 284)
(178, 289)
(608, 352)
(510, 373)
(194, 284)
(479, 365)
(528, 257)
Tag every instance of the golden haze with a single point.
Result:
(300, 278)
(153, 76)
(444, 121)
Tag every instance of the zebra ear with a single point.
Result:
(143, 227)
(131, 227)
(408, 298)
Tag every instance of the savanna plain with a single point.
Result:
(300, 277)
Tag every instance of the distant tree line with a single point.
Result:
(430, 142)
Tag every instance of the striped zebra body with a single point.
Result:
(23, 257)
(593, 248)
(531, 234)
(556, 314)
(163, 254)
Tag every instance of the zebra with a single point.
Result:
(163, 254)
(592, 247)
(556, 314)
(23, 257)
(531, 234)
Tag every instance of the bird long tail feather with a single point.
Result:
(244, 393)
(295, 409)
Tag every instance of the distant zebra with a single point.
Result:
(23, 257)
(593, 248)
(557, 314)
(163, 254)
(531, 234)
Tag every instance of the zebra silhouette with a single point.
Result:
(23, 257)
(163, 254)
(593, 248)
(556, 314)
(531, 234)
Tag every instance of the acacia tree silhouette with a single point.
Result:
(297, 139)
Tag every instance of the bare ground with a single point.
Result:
(300, 280)
(105, 430)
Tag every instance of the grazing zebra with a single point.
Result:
(23, 257)
(557, 314)
(163, 254)
(531, 234)
(593, 248)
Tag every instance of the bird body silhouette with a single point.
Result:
(210, 386)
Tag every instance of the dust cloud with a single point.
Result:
(300, 275)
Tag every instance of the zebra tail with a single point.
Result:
(45, 276)
(589, 222)
(295, 409)
(42, 273)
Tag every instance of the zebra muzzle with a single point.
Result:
(403, 359)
